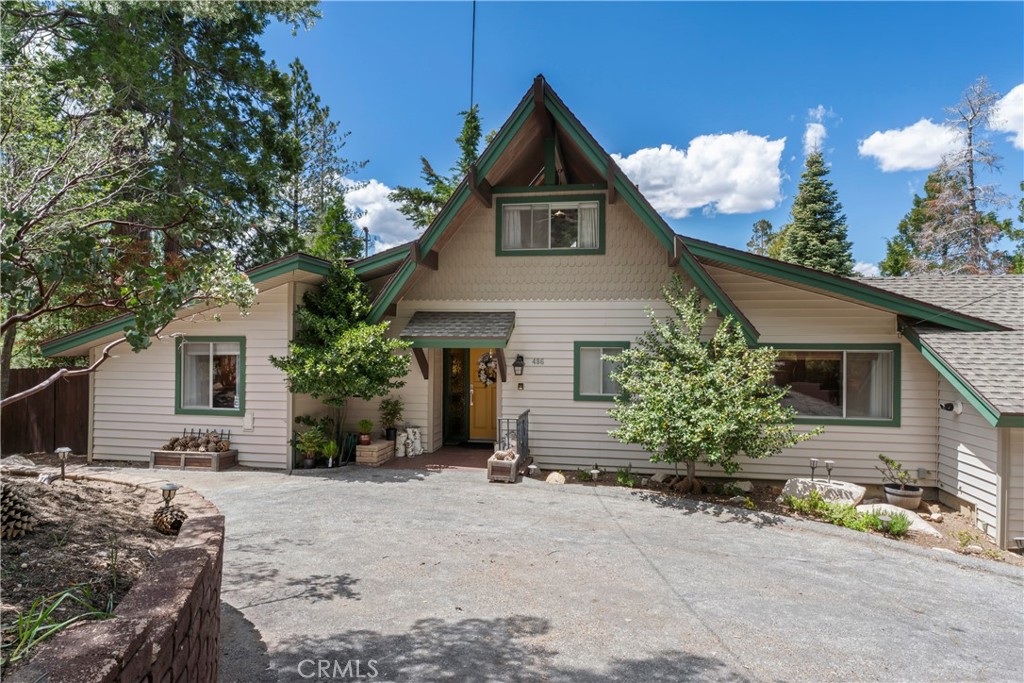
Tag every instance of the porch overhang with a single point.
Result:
(459, 329)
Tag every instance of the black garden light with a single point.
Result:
(885, 519)
(518, 364)
(814, 464)
(828, 468)
(62, 454)
(168, 492)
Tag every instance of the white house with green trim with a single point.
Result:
(541, 264)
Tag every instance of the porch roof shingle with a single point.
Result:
(485, 328)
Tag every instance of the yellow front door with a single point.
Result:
(483, 398)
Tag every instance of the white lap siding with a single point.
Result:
(1013, 459)
(133, 393)
(969, 458)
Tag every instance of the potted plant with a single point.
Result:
(390, 414)
(309, 443)
(899, 485)
(330, 451)
(365, 427)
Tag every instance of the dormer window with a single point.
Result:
(556, 225)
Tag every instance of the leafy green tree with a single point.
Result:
(135, 138)
(335, 236)
(1016, 235)
(902, 251)
(778, 243)
(313, 186)
(762, 237)
(421, 205)
(816, 237)
(337, 354)
(686, 400)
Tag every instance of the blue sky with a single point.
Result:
(708, 106)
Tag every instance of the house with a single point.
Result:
(540, 265)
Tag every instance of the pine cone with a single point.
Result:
(168, 520)
(17, 517)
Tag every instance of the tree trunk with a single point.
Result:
(5, 359)
(691, 484)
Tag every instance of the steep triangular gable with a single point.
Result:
(541, 98)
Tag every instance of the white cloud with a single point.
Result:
(865, 269)
(917, 147)
(388, 227)
(1008, 116)
(814, 135)
(729, 173)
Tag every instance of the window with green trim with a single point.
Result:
(840, 383)
(210, 375)
(557, 225)
(593, 365)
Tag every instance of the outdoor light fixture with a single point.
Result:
(168, 492)
(828, 468)
(594, 474)
(1019, 540)
(956, 407)
(885, 519)
(518, 364)
(62, 453)
(533, 470)
(814, 463)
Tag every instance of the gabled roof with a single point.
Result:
(998, 298)
(542, 95)
(262, 273)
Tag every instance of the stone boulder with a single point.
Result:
(831, 492)
(555, 478)
(661, 478)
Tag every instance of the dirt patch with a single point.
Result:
(52, 460)
(87, 533)
(957, 529)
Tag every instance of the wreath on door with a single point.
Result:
(487, 369)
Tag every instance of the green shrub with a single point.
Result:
(624, 477)
(583, 475)
(847, 515)
(899, 525)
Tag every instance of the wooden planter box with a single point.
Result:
(193, 460)
(377, 453)
(503, 470)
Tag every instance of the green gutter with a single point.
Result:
(987, 410)
(789, 272)
(365, 265)
(121, 323)
(391, 290)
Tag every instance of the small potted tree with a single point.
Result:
(309, 443)
(365, 428)
(390, 414)
(330, 451)
(899, 485)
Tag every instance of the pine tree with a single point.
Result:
(902, 250)
(421, 205)
(335, 236)
(761, 238)
(960, 236)
(817, 231)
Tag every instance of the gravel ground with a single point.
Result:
(444, 577)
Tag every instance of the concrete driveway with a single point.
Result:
(443, 577)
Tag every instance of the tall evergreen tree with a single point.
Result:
(816, 235)
(959, 230)
(761, 238)
(421, 205)
(902, 253)
(335, 236)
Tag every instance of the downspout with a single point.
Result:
(290, 412)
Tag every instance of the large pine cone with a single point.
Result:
(17, 517)
(168, 520)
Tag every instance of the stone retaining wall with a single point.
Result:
(166, 628)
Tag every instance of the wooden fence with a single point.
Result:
(57, 416)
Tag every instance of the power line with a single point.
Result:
(472, 57)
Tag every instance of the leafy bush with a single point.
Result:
(390, 411)
(365, 426)
(583, 475)
(899, 525)
(847, 515)
(310, 441)
(625, 477)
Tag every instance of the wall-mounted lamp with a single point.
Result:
(953, 407)
(518, 364)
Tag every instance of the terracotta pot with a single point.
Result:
(908, 498)
(364, 439)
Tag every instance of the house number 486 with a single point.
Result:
(537, 361)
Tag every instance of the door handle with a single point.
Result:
(470, 396)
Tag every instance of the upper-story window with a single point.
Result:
(562, 225)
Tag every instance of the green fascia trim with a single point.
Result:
(897, 380)
(305, 262)
(838, 285)
(455, 343)
(548, 189)
(121, 323)
(379, 261)
(576, 346)
(1011, 421)
(497, 147)
(391, 290)
(987, 410)
(229, 412)
(500, 204)
(719, 298)
(437, 228)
